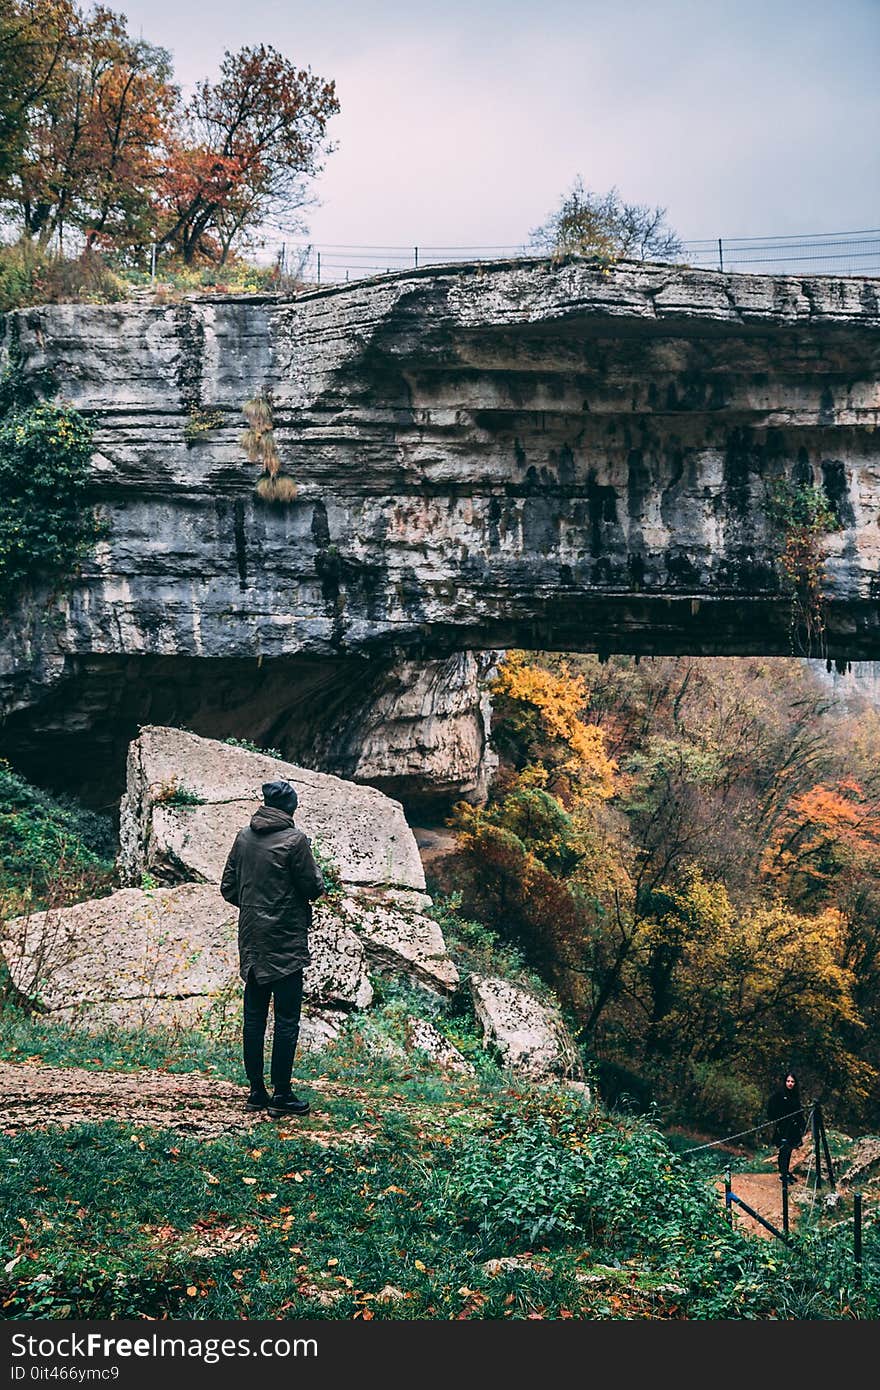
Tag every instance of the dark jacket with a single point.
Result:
(272, 878)
(785, 1107)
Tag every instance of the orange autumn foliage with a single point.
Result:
(823, 832)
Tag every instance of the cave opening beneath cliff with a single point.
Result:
(416, 730)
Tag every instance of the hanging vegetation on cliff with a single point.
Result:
(258, 442)
(46, 524)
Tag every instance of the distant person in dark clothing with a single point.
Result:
(272, 878)
(787, 1109)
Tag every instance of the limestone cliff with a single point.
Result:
(487, 455)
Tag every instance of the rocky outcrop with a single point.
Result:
(141, 959)
(132, 959)
(155, 955)
(528, 1035)
(186, 797)
(424, 1037)
(422, 733)
(398, 936)
(510, 454)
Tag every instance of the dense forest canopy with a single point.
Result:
(689, 850)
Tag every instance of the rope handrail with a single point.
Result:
(714, 1143)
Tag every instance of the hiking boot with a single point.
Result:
(257, 1100)
(288, 1104)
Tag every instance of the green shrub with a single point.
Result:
(30, 274)
(333, 887)
(46, 526)
(50, 850)
(176, 793)
(523, 1182)
(720, 1100)
(254, 747)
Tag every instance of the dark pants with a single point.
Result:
(287, 993)
(786, 1149)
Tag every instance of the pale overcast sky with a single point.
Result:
(463, 123)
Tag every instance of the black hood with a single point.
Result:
(270, 818)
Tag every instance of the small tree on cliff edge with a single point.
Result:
(243, 149)
(593, 224)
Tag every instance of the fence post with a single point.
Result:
(319, 267)
(785, 1204)
(152, 260)
(416, 255)
(720, 255)
(728, 1201)
(817, 1143)
(828, 1164)
(857, 1234)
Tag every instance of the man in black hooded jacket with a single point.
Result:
(272, 878)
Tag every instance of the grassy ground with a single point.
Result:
(472, 1197)
(407, 1193)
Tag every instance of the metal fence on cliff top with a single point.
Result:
(821, 253)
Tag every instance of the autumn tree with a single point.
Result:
(729, 990)
(95, 138)
(542, 863)
(540, 711)
(243, 150)
(92, 127)
(587, 223)
(689, 851)
(37, 41)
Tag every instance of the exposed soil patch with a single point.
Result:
(763, 1191)
(37, 1096)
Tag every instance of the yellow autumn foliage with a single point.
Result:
(559, 700)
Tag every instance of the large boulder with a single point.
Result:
(168, 953)
(133, 959)
(397, 936)
(529, 1035)
(422, 1036)
(187, 796)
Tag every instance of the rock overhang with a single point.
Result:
(523, 453)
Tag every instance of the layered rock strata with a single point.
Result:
(565, 456)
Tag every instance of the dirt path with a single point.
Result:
(763, 1191)
(35, 1096)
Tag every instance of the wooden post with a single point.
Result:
(857, 1234)
(817, 1143)
(828, 1164)
(728, 1199)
